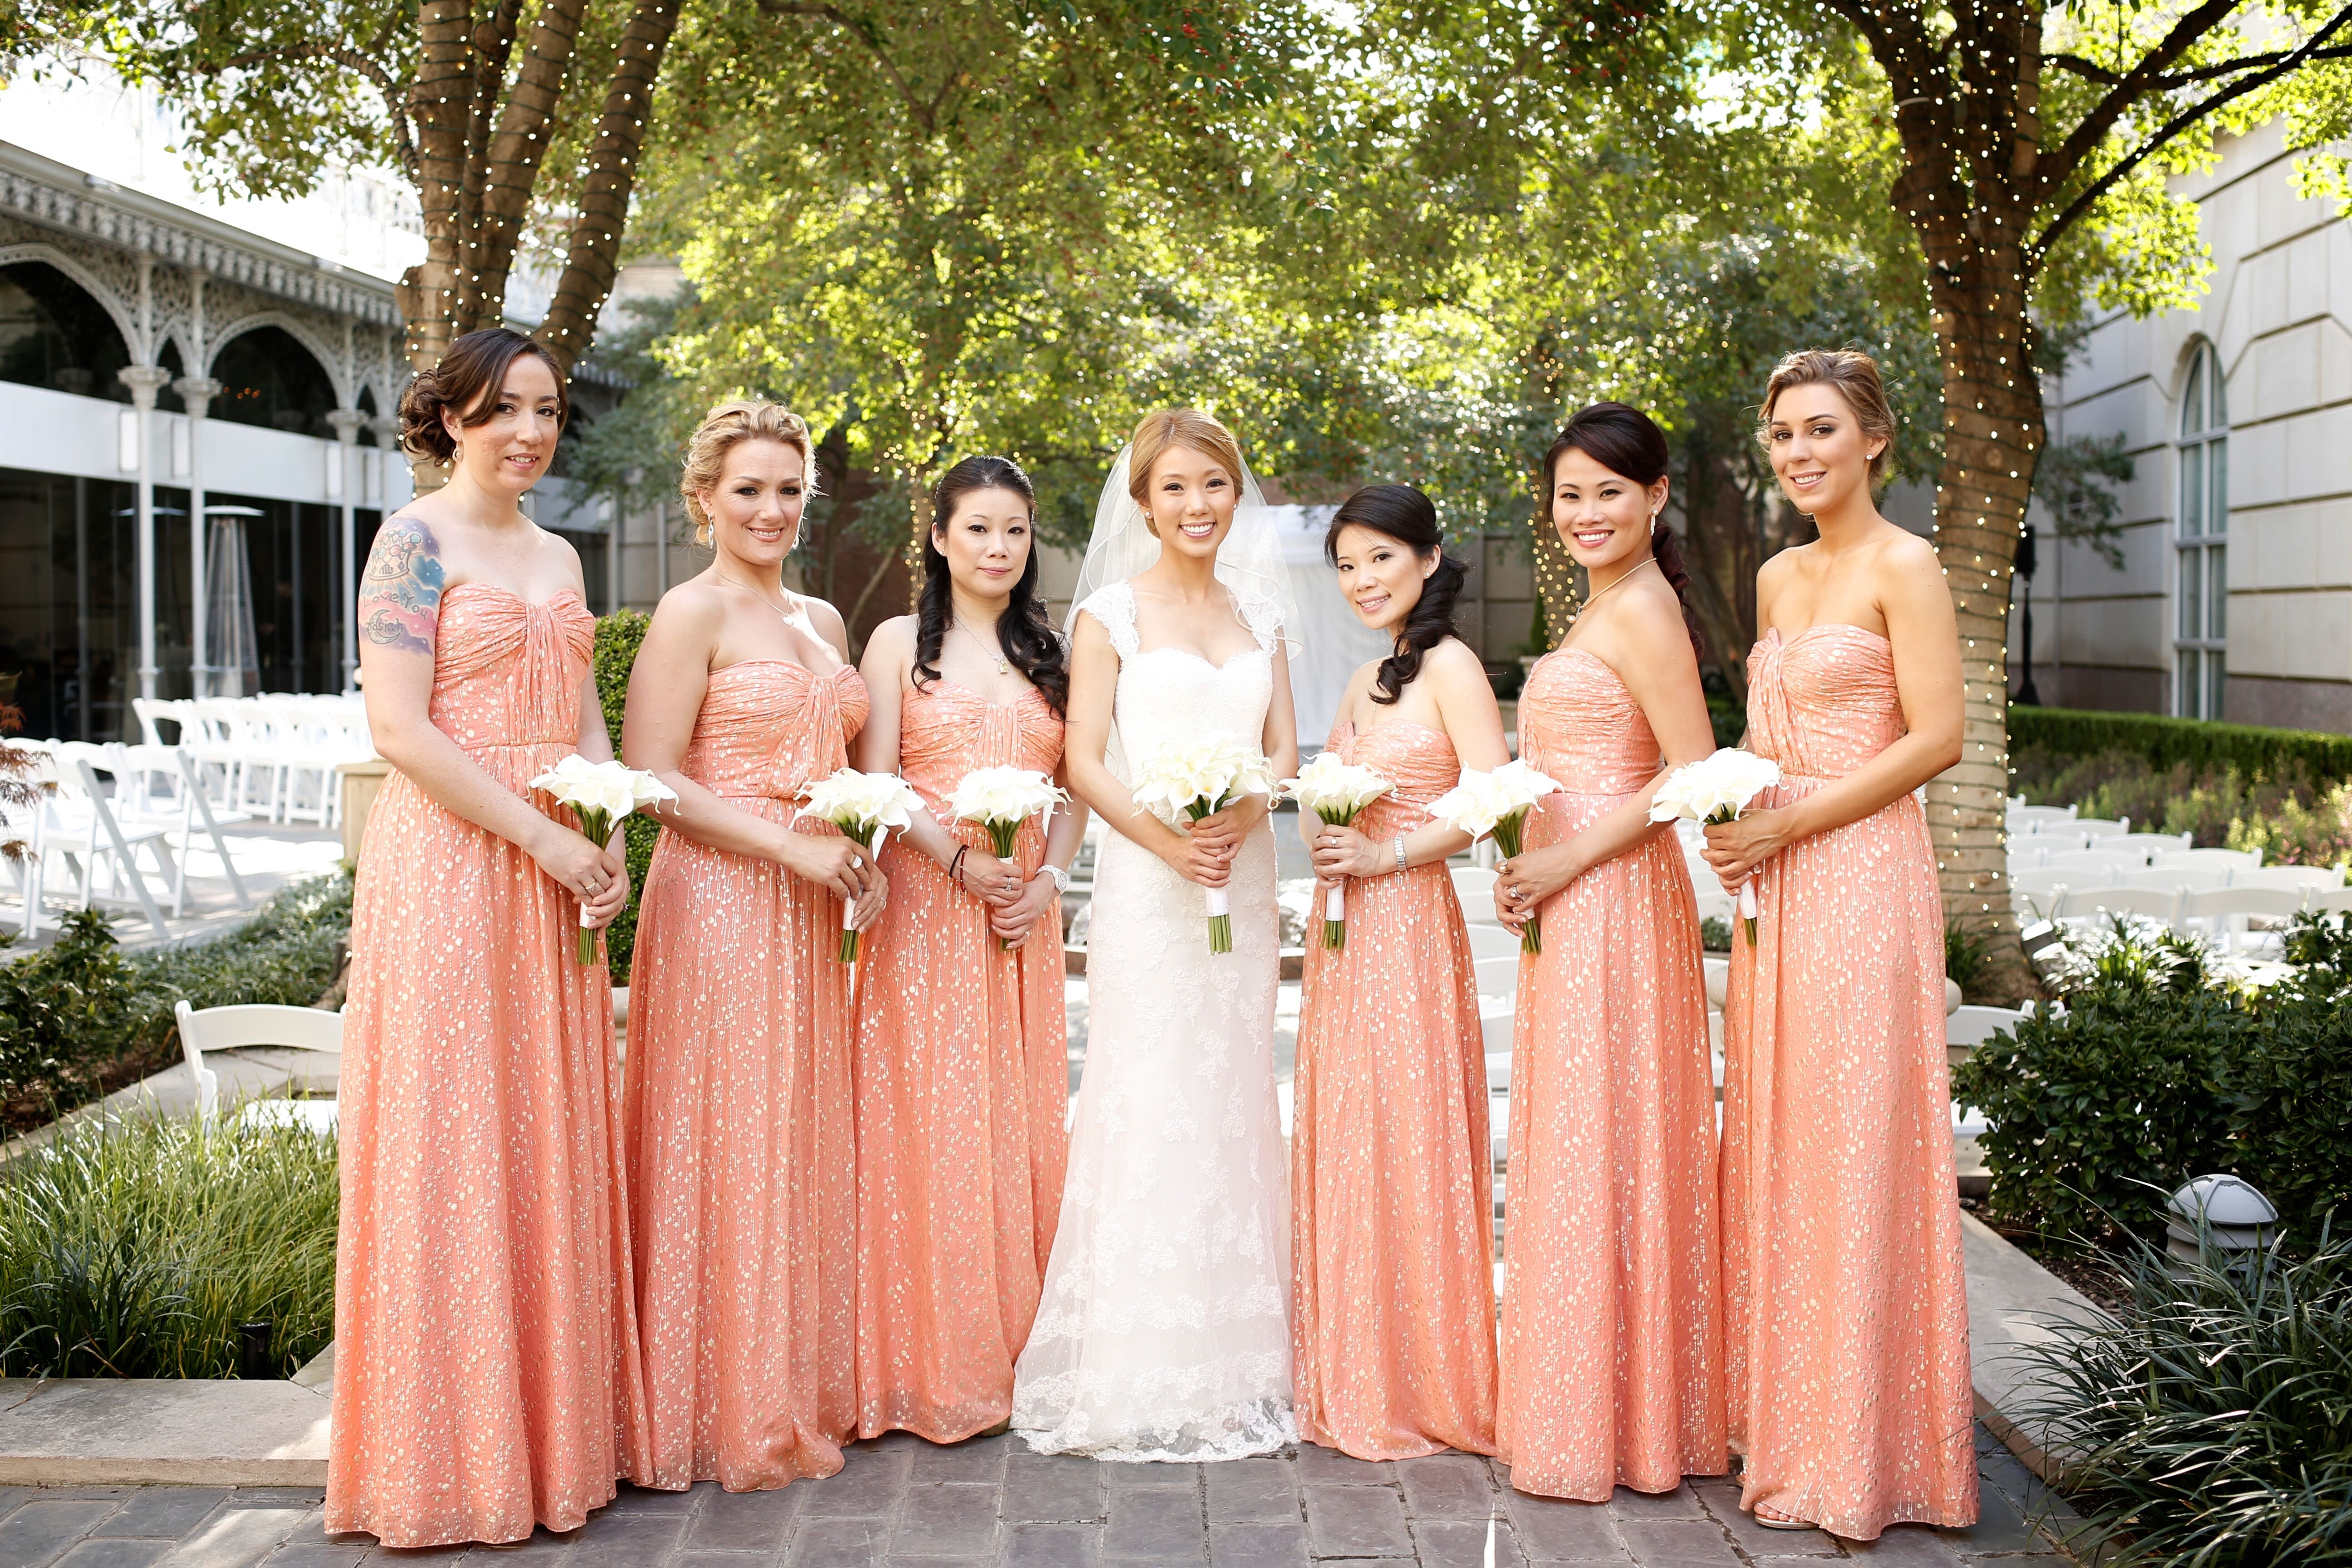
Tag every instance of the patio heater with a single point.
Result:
(232, 663)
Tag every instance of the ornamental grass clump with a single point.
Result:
(135, 1249)
(2208, 1424)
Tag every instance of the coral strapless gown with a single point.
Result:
(1613, 1324)
(1848, 1311)
(486, 1350)
(742, 1147)
(963, 1094)
(1392, 1196)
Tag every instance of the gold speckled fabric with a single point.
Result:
(1392, 1228)
(486, 1352)
(739, 1122)
(964, 1093)
(1847, 1309)
(1612, 1328)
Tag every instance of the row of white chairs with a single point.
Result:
(2082, 871)
(86, 844)
(274, 756)
(2216, 908)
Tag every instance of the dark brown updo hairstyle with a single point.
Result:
(466, 384)
(1629, 443)
(1030, 643)
(1402, 513)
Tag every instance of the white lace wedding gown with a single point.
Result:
(1164, 1332)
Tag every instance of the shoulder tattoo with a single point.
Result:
(400, 590)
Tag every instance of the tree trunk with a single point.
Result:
(1992, 437)
(1720, 542)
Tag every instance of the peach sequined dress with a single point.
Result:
(486, 1352)
(963, 1090)
(1392, 1198)
(1612, 1326)
(742, 1146)
(1848, 1314)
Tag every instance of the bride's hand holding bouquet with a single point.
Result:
(1223, 788)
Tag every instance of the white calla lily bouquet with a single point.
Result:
(1336, 792)
(600, 795)
(866, 807)
(1713, 790)
(1000, 800)
(1193, 779)
(1497, 803)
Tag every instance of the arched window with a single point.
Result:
(2200, 543)
(53, 334)
(268, 378)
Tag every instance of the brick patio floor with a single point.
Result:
(991, 1501)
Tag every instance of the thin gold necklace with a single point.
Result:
(782, 613)
(995, 656)
(1594, 597)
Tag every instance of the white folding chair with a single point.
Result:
(2090, 903)
(2293, 879)
(2028, 854)
(259, 1025)
(2036, 815)
(2147, 846)
(182, 816)
(2100, 827)
(2038, 891)
(2336, 901)
(1497, 978)
(2091, 867)
(2225, 912)
(2235, 860)
(2164, 878)
(1476, 887)
(78, 825)
(1971, 1027)
(1493, 942)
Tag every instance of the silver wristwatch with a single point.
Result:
(1399, 846)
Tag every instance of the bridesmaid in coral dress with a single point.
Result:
(487, 1350)
(1848, 1322)
(1393, 1228)
(738, 1121)
(1613, 1321)
(963, 1072)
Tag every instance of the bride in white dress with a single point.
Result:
(1164, 1332)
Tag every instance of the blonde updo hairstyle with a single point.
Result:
(723, 429)
(465, 384)
(1855, 376)
(1171, 427)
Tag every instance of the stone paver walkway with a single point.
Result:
(991, 1501)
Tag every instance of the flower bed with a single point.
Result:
(137, 1248)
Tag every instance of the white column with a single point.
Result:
(197, 391)
(347, 423)
(144, 381)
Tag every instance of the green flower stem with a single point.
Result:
(1508, 834)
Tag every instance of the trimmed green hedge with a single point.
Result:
(2199, 743)
(618, 638)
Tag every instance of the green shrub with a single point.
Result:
(1715, 934)
(2209, 1424)
(2161, 742)
(2284, 812)
(1967, 957)
(618, 638)
(2088, 1107)
(79, 1011)
(2291, 1094)
(135, 1249)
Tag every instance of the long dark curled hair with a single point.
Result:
(1402, 513)
(1022, 631)
(1629, 443)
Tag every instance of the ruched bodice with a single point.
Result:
(769, 726)
(1578, 724)
(1419, 761)
(508, 672)
(947, 730)
(1824, 702)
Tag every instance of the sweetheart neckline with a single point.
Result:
(1203, 658)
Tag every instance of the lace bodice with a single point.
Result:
(1171, 693)
(768, 726)
(1579, 723)
(1824, 702)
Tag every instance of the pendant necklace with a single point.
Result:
(995, 655)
